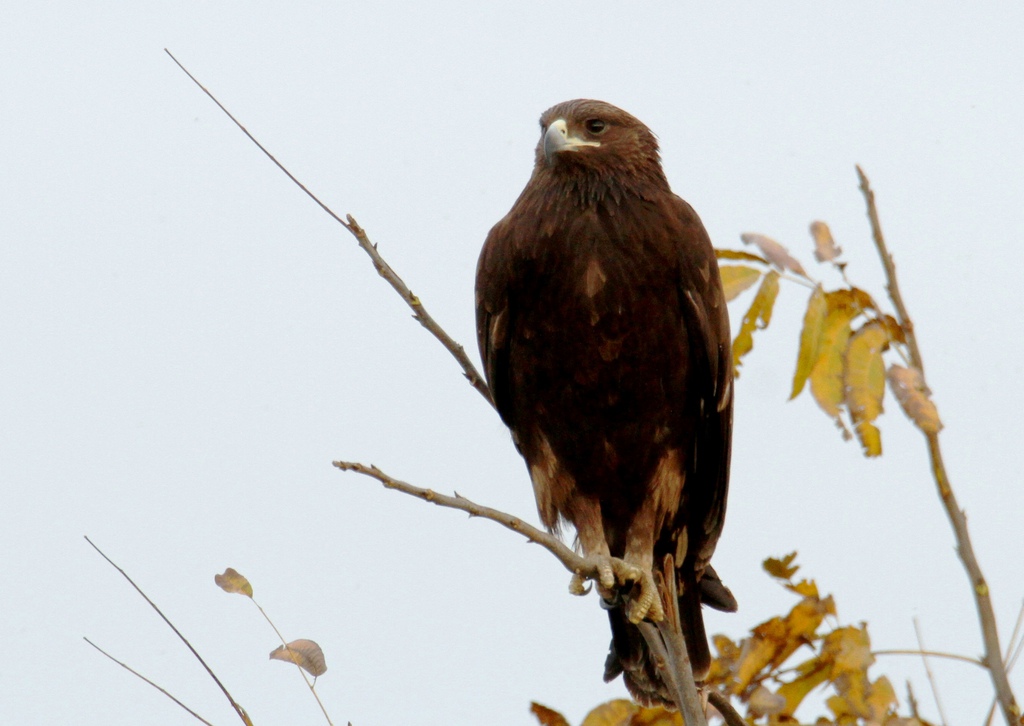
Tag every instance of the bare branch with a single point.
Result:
(383, 268)
(989, 631)
(238, 709)
(139, 675)
(569, 559)
(721, 702)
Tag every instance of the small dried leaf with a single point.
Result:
(304, 653)
(774, 252)
(760, 310)
(804, 588)
(864, 380)
(739, 255)
(765, 703)
(825, 249)
(907, 384)
(782, 568)
(547, 716)
(810, 339)
(619, 712)
(736, 279)
(232, 581)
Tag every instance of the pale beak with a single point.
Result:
(557, 140)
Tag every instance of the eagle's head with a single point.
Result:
(586, 138)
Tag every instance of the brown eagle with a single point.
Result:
(605, 338)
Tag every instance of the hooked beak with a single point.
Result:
(557, 140)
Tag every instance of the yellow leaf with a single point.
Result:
(736, 279)
(882, 698)
(812, 674)
(232, 581)
(739, 255)
(760, 310)
(810, 339)
(907, 384)
(656, 716)
(782, 568)
(864, 380)
(304, 653)
(827, 372)
(613, 713)
(547, 716)
(804, 588)
(774, 252)
(825, 249)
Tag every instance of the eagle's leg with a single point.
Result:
(586, 518)
(644, 601)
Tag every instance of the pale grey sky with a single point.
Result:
(188, 341)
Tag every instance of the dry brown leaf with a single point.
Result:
(736, 279)
(760, 310)
(231, 581)
(907, 384)
(739, 255)
(304, 653)
(774, 252)
(810, 339)
(547, 716)
(763, 702)
(864, 382)
(825, 248)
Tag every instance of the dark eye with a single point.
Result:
(595, 126)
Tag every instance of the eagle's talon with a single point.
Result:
(578, 585)
(645, 602)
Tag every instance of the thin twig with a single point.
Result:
(986, 615)
(730, 714)
(928, 672)
(238, 709)
(569, 559)
(383, 268)
(932, 654)
(302, 672)
(139, 675)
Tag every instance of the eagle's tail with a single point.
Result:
(630, 656)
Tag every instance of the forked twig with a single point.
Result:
(238, 709)
(928, 672)
(986, 615)
(383, 268)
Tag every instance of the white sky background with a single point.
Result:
(188, 342)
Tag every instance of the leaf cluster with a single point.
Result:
(845, 339)
(773, 670)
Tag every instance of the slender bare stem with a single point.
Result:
(986, 615)
(238, 709)
(928, 672)
(139, 675)
(931, 654)
(383, 268)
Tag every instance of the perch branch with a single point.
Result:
(983, 601)
(383, 268)
(666, 645)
